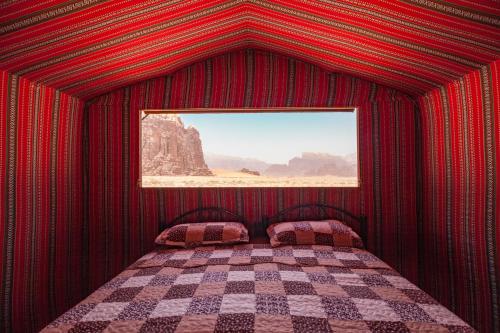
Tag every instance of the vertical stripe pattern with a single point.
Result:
(41, 198)
(72, 216)
(248, 79)
(460, 216)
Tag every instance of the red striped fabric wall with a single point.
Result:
(51, 256)
(460, 203)
(42, 264)
(123, 219)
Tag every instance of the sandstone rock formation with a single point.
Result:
(217, 161)
(169, 149)
(278, 170)
(316, 164)
(250, 172)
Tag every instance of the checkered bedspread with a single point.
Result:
(256, 288)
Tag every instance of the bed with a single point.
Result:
(257, 288)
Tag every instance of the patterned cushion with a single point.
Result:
(207, 233)
(326, 232)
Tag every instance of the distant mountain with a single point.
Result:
(278, 170)
(353, 158)
(316, 164)
(216, 161)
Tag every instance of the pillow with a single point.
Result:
(207, 233)
(326, 232)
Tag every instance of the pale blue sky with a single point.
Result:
(275, 137)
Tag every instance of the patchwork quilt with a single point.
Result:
(256, 288)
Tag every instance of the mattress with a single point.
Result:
(256, 288)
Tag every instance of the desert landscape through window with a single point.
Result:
(236, 149)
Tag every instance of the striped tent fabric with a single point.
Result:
(87, 47)
(74, 74)
(459, 201)
(41, 237)
(123, 221)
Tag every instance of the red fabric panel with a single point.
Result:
(460, 210)
(87, 48)
(41, 197)
(124, 219)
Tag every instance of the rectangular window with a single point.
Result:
(278, 147)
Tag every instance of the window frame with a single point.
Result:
(328, 109)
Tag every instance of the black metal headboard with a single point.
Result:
(205, 214)
(317, 211)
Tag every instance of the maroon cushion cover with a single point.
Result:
(326, 232)
(206, 233)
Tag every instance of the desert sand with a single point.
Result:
(227, 178)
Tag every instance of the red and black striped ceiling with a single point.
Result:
(89, 47)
